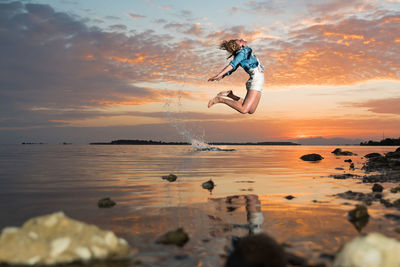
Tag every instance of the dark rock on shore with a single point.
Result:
(178, 238)
(372, 155)
(257, 250)
(358, 196)
(339, 152)
(105, 203)
(311, 157)
(377, 188)
(391, 176)
(170, 177)
(348, 160)
(391, 161)
(289, 197)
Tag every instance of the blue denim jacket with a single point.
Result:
(244, 58)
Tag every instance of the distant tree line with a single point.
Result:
(384, 142)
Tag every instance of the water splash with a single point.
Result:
(176, 120)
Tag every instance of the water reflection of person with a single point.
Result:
(255, 217)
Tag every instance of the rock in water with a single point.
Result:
(177, 237)
(377, 188)
(369, 251)
(57, 239)
(170, 177)
(257, 250)
(339, 152)
(311, 157)
(208, 185)
(105, 203)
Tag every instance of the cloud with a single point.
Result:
(165, 7)
(334, 6)
(118, 27)
(386, 106)
(53, 60)
(136, 16)
(261, 8)
(186, 28)
(348, 52)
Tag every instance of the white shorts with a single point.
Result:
(256, 80)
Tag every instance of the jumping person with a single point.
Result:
(242, 56)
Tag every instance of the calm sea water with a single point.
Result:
(251, 183)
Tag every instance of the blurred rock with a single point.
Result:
(178, 238)
(105, 203)
(372, 250)
(393, 217)
(377, 188)
(289, 197)
(57, 239)
(359, 212)
(257, 250)
(170, 177)
(395, 189)
(359, 217)
(348, 160)
(311, 157)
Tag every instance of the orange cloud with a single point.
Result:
(351, 51)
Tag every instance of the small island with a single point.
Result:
(151, 142)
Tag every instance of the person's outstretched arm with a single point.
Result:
(221, 75)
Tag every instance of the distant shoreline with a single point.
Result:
(151, 142)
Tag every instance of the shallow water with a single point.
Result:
(40, 179)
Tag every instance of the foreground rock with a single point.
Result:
(369, 251)
(311, 157)
(359, 217)
(339, 152)
(57, 239)
(257, 250)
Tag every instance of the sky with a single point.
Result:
(96, 70)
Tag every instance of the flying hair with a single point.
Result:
(230, 46)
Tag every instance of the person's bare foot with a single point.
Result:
(213, 101)
(225, 93)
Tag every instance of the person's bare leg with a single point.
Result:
(249, 104)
